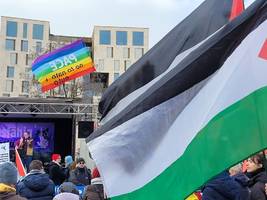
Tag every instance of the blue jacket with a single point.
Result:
(36, 186)
(224, 187)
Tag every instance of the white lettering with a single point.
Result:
(66, 61)
(53, 66)
(73, 57)
(60, 62)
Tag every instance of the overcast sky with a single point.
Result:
(78, 17)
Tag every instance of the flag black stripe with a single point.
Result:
(196, 67)
(201, 23)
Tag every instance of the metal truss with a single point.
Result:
(47, 108)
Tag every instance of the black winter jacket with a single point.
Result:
(56, 173)
(256, 184)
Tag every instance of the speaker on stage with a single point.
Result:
(85, 128)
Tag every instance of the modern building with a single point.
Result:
(115, 49)
(20, 40)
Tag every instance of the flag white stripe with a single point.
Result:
(123, 103)
(241, 74)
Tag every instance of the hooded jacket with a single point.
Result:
(36, 186)
(224, 187)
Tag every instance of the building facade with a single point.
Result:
(115, 49)
(20, 41)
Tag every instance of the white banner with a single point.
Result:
(4, 152)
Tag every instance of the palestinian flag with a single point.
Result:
(210, 16)
(207, 112)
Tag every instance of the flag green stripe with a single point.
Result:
(216, 147)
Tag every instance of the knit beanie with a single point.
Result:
(55, 156)
(8, 173)
(68, 160)
(95, 173)
(68, 187)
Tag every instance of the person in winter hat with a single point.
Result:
(81, 175)
(56, 172)
(95, 191)
(69, 166)
(67, 191)
(8, 180)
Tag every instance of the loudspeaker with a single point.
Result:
(85, 128)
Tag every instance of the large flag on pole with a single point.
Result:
(210, 16)
(205, 114)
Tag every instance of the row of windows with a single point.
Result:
(14, 59)
(10, 86)
(121, 38)
(116, 67)
(11, 45)
(37, 30)
(138, 52)
(10, 72)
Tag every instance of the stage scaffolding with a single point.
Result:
(79, 110)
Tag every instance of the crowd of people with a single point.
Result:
(60, 182)
(238, 183)
(52, 181)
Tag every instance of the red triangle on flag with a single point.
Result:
(263, 52)
(237, 9)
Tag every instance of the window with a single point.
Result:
(110, 52)
(138, 38)
(24, 45)
(38, 32)
(101, 64)
(138, 53)
(28, 69)
(9, 85)
(126, 52)
(25, 87)
(28, 59)
(116, 75)
(38, 47)
(104, 37)
(11, 29)
(10, 45)
(116, 65)
(25, 30)
(127, 64)
(13, 58)
(6, 95)
(10, 72)
(121, 38)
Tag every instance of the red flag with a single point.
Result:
(20, 166)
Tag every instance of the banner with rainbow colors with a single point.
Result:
(62, 65)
